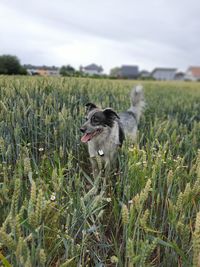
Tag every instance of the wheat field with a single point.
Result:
(54, 213)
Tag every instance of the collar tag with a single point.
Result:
(100, 152)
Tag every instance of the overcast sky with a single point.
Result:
(149, 33)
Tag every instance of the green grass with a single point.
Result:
(53, 213)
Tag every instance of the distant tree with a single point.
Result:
(10, 65)
(78, 73)
(67, 70)
(23, 71)
(114, 72)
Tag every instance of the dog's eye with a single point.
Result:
(95, 120)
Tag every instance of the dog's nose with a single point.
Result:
(82, 130)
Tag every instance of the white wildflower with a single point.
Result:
(108, 199)
(53, 196)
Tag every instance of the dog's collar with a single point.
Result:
(100, 152)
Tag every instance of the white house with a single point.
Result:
(92, 69)
(165, 74)
(193, 74)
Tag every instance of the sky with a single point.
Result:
(110, 33)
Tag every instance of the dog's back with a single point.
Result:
(130, 118)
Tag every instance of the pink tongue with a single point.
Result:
(86, 137)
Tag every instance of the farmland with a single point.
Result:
(54, 213)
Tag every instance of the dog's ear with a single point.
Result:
(110, 113)
(90, 106)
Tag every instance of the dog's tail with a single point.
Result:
(137, 101)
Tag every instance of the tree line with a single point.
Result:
(11, 65)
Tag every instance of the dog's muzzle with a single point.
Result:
(88, 136)
(82, 130)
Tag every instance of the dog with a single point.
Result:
(104, 131)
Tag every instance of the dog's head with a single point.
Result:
(97, 120)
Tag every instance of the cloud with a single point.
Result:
(148, 33)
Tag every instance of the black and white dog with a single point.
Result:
(105, 130)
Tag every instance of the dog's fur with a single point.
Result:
(105, 131)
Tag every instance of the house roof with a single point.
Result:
(33, 67)
(164, 69)
(195, 71)
(180, 73)
(93, 67)
(144, 72)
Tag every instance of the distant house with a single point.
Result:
(165, 74)
(54, 72)
(128, 71)
(42, 70)
(92, 69)
(32, 71)
(179, 76)
(144, 74)
(193, 74)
